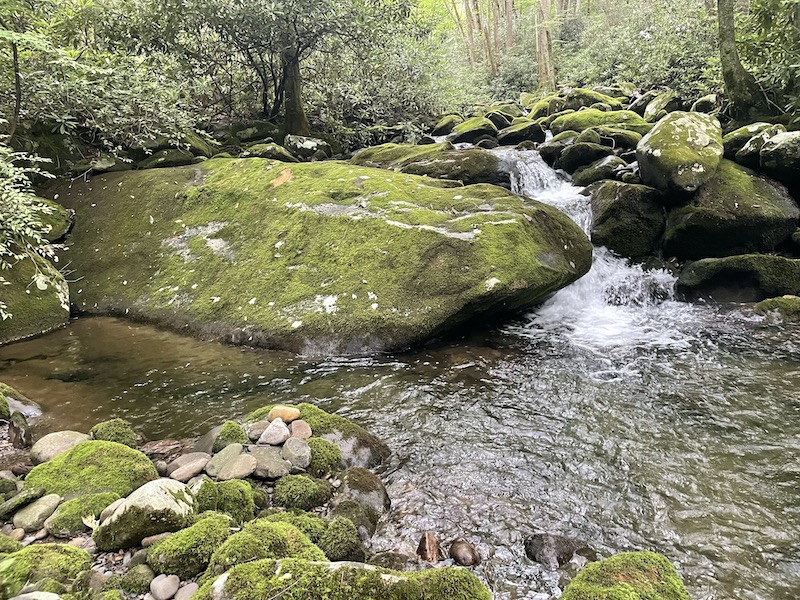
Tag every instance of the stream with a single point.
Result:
(612, 413)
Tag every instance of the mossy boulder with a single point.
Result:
(297, 579)
(188, 552)
(7, 545)
(365, 487)
(659, 106)
(56, 219)
(603, 168)
(115, 430)
(616, 137)
(446, 124)
(744, 278)
(581, 154)
(301, 492)
(160, 506)
(135, 580)
(681, 153)
(342, 542)
(230, 433)
(735, 140)
(358, 447)
(9, 394)
(326, 457)
(167, 158)
(67, 521)
(584, 119)
(578, 98)
(361, 515)
(750, 154)
(439, 161)
(735, 212)
(471, 129)
(34, 310)
(236, 499)
(786, 308)
(93, 467)
(272, 151)
(628, 576)
(780, 158)
(58, 562)
(189, 248)
(311, 525)
(307, 147)
(628, 219)
(521, 132)
(262, 539)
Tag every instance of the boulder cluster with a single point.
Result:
(280, 505)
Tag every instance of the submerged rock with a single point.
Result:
(224, 248)
(786, 308)
(428, 548)
(464, 554)
(552, 551)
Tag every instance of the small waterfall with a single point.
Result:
(617, 304)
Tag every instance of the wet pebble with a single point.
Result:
(428, 548)
(300, 429)
(464, 553)
(187, 591)
(164, 587)
(275, 434)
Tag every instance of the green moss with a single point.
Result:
(473, 128)
(326, 457)
(58, 562)
(167, 158)
(93, 467)
(341, 542)
(111, 595)
(787, 307)
(360, 514)
(583, 98)
(299, 491)
(67, 520)
(188, 552)
(115, 430)
(135, 581)
(207, 497)
(446, 124)
(235, 498)
(311, 525)
(271, 151)
(231, 433)
(7, 545)
(585, 119)
(298, 579)
(628, 576)
(262, 539)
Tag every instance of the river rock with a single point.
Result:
(735, 212)
(187, 591)
(297, 452)
(164, 587)
(428, 548)
(189, 470)
(222, 458)
(187, 459)
(300, 429)
(626, 218)
(780, 158)
(735, 140)
(471, 129)
(578, 98)
(19, 500)
(255, 430)
(286, 413)
(659, 106)
(464, 554)
(364, 487)
(432, 257)
(521, 132)
(240, 467)
(54, 444)
(109, 510)
(744, 278)
(750, 154)
(306, 147)
(604, 168)
(269, 150)
(33, 516)
(783, 309)
(206, 442)
(588, 118)
(156, 507)
(580, 154)
(275, 434)
(552, 551)
(269, 462)
(446, 124)
(19, 432)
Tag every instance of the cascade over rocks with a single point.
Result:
(394, 259)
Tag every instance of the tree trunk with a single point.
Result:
(740, 86)
(295, 122)
(509, 25)
(17, 93)
(544, 47)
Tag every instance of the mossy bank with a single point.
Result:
(315, 257)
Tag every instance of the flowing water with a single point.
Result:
(611, 413)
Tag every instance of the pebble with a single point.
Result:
(221, 458)
(464, 553)
(154, 539)
(161, 467)
(186, 459)
(428, 548)
(40, 535)
(256, 429)
(187, 591)
(164, 587)
(17, 534)
(275, 434)
(297, 452)
(300, 429)
(239, 468)
(270, 464)
(286, 413)
(187, 471)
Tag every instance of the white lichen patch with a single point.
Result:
(180, 243)
(492, 283)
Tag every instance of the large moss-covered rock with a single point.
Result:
(628, 576)
(296, 579)
(320, 257)
(471, 129)
(660, 105)
(735, 212)
(115, 430)
(626, 218)
(341, 541)
(446, 124)
(584, 119)
(604, 168)
(34, 310)
(681, 153)
(750, 154)
(521, 132)
(93, 467)
(785, 308)
(58, 562)
(301, 492)
(744, 278)
(578, 98)
(581, 154)
(735, 140)
(188, 552)
(157, 507)
(439, 161)
(780, 158)
(68, 522)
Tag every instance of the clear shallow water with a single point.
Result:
(612, 413)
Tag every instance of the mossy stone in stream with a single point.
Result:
(472, 129)
(628, 576)
(7, 545)
(7, 392)
(58, 562)
(231, 433)
(135, 580)
(301, 492)
(786, 307)
(311, 525)
(326, 457)
(342, 542)
(188, 552)
(67, 521)
(92, 467)
(236, 499)
(585, 119)
(115, 430)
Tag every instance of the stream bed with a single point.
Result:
(611, 413)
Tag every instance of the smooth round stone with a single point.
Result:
(222, 458)
(275, 434)
(300, 429)
(33, 516)
(255, 430)
(464, 554)
(108, 510)
(286, 413)
(153, 539)
(297, 452)
(164, 587)
(239, 468)
(185, 459)
(37, 596)
(271, 464)
(54, 444)
(17, 535)
(187, 591)
(189, 470)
